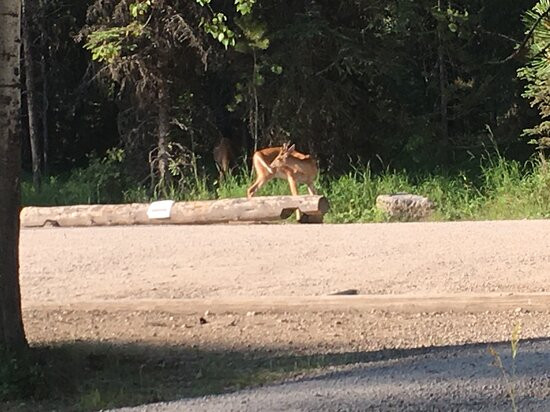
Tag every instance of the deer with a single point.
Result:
(284, 162)
(223, 155)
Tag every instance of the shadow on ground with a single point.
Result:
(87, 376)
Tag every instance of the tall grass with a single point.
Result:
(500, 189)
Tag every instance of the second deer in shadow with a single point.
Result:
(223, 156)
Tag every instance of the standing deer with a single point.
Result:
(284, 163)
(223, 155)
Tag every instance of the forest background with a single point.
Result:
(125, 100)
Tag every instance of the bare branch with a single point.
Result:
(525, 40)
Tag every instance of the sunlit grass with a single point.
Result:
(502, 189)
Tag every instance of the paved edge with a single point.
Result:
(464, 303)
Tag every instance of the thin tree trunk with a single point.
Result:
(45, 103)
(30, 82)
(163, 132)
(12, 334)
(443, 82)
(255, 91)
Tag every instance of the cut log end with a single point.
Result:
(311, 218)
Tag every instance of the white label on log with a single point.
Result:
(160, 209)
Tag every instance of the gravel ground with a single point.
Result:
(113, 263)
(450, 379)
(428, 311)
(298, 333)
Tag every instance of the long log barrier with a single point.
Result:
(264, 208)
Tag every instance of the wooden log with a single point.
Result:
(264, 208)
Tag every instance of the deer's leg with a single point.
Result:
(294, 191)
(260, 181)
(264, 173)
(311, 189)
(252, 189)
(259, 162)
(225, 168)
(292, 184)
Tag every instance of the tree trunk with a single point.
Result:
(163, 132)
(12, 334)
(45, 137)
(255, 95)
(32, 108)
(44, 117)
(443, 82)
(261, 208)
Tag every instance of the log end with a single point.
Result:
(324, 205)
(311, 218)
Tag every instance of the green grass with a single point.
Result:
(499, 189)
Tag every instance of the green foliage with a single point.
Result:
(338, 78)
(217, 26)
(252, 43)
(219, 30)
(102, 181)
(140, 8)
(78, 114)
(108, 45)
(503, 189)
(352, 196)
(537, 71)
(244, 7)
(453, 18)
(254, 35)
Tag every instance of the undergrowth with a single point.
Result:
(498, 189)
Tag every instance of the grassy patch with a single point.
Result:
(499, 189)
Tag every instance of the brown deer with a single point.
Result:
(223, 156)
(284, 163)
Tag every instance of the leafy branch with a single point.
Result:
(217, 26)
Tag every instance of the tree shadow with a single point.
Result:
(87, 375)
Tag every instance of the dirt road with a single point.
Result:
(175, 262)
(263, 289)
